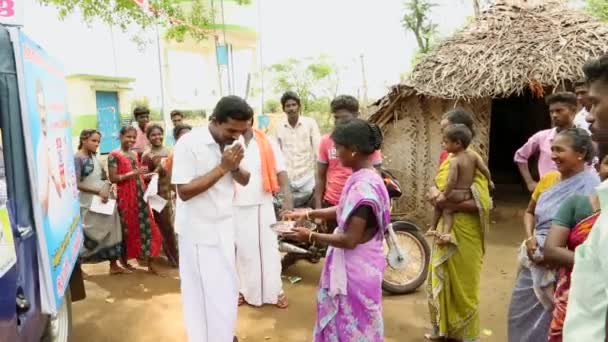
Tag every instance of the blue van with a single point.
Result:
(21, 317)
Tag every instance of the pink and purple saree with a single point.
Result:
(349, 301)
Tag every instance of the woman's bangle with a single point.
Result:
(222, 170)
(308, 214)
(310, 237)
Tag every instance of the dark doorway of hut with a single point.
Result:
(513, 121)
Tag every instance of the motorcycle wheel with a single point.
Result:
(411, 241)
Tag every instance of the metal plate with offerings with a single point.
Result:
(284, 227)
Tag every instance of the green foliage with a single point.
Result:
(319, 110)
(312, 78)
(272, 106)
(316, 81)
(179, 17)
(143, 101)
(598, 8)
(416, 19)
(194, 114)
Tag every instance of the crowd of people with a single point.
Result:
(559, 293)
(220, 179)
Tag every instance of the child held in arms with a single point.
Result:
(464, 164)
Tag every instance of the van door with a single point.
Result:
(21, 282)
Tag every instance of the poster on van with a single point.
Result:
(51, 159)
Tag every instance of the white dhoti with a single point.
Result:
(257, 253)
(209, 286)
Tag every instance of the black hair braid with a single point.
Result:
(375, 136)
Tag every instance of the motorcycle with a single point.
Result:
(406, 250)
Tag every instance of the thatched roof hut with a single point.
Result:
(499, 68)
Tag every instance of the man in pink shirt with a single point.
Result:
(562, 108)
(142, 117)
(331, 175)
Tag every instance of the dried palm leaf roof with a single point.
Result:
(509, 48)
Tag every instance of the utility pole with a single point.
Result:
(217, 56)
(228, 52)
(161, 78)
(261, 56)
(365, 99)
(114, 58)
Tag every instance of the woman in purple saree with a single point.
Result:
(349, 301)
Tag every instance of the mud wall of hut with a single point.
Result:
(412, 144)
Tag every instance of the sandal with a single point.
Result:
(282, 302)
(127, 266)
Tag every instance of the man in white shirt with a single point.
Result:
(257, 251)
(204, 169)
(581, 89)
(588, 298)
(298, 138)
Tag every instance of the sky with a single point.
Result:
(342, 29)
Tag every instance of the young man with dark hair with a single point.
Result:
(142, 118)
(205, 166)
(298, 137)
(581, 89)
(177, 118)
(331, 174)
(562, 108)
(588, 300)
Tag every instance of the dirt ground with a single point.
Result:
(142, 307)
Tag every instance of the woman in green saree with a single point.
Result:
(454, 272)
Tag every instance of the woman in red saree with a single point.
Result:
(571, 226)
(142, 239)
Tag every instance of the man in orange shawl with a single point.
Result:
(257, 253)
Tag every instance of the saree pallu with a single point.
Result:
(577, 236)
(454, 272)
(349, 301)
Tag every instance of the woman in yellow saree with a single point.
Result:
(454, 272)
